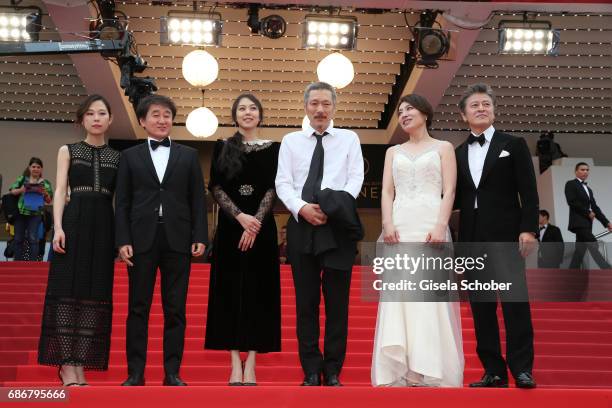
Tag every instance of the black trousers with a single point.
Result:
(503, 265)
(308, 277)
(174, 270)
(585, 240)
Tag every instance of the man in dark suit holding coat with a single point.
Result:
(498, 203)
(160, 223)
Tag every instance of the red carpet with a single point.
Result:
(573, 350)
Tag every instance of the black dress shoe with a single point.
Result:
(174, 380)
(134, 380)
(525, 380)
(490, 381)
(332, 380)
(312, 380)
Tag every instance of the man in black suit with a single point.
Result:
(321, 233)
(160, 223)
(583, 209)
(550, 250)
(498, 203)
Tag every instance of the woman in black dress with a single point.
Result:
(77, 316)
(244, 293)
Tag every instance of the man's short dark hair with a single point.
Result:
(544, 213)
(319, 86)
(145, 104)
(476, 89)
(581, 164)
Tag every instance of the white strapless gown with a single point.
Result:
(417, 342)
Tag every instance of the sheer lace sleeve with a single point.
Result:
(266, 204)
(225, 202)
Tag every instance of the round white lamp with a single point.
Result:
(200, 68)
(336, 69)
(202, 122)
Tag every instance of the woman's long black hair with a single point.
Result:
(232, 155)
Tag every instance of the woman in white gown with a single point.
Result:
(418, 343)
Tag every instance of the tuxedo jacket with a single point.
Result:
(552, 234)
(507, 193)
(139, 193)
(579, 203)
(550, 253)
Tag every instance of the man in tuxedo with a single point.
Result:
(583, 210)
(161, 222)
(498, 203)
(320, 254)
(550, 250)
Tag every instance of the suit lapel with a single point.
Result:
(464, 163)
(581, 191)
(175, 153)
(148, 161)
(497, 144)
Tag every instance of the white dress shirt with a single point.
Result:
(543, 231)
(477, 155)
(342, 164)
(586, 190)
(160, 158)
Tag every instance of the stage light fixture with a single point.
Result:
(272, 26)
(528, 38)
(108, 26)
(432, 44)
(191, 28)
(329, 33)
(23, 26)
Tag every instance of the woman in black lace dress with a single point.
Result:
(77, 316)
(244, 293)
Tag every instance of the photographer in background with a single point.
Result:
(34, 192)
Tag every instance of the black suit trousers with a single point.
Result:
(308, 277)
(174, 270)
(585, 240)
(504, 266)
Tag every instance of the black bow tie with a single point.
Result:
(480, 139)
(155, 144)
(584, 183)
(542, 227)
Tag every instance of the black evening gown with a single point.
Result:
(77, 315)
(244, 292)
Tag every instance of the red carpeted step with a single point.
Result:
(573, 340)
(200, 357)
(362, 333)
(304, 397)
(350, 375)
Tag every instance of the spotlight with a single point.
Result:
(272, 26)
(107, 27)
(191, 28)
(331, 33)
(21, 26)
(528, 37)
(432, 44)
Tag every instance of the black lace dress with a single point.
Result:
(244, 292)
(77, 316)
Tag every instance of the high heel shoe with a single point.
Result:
(237, 383)
(248, 384)
(59, 374)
